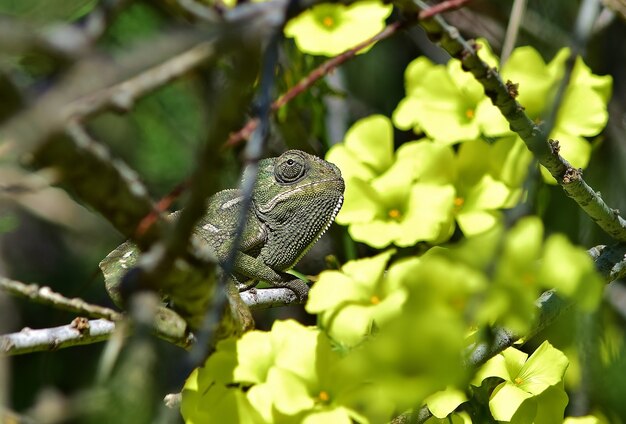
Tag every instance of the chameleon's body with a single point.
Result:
(295, 199)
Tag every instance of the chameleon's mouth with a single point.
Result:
(323, 229)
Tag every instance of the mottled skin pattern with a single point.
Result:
(295, 200)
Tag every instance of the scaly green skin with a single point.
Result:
(294, 201)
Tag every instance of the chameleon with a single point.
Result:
(294, 201)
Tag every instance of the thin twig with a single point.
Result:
(253, 153)
(46, 296)
(331, 64)
(122, 96)
(587, 14)
(315, 75)
(512, 30)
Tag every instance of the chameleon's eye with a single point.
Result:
(290, 170)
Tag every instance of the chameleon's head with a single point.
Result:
(297, 184)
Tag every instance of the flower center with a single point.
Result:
(470, 113)
(375, 300)
(459, 201)
(324, 396)
(328, 21)
(518, 381)
(394, 214)
(528, 279)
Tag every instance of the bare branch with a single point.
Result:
(512, 30)
(29, 340)
(268, 298)
(122, 96)
(168, 325)
(46, 296)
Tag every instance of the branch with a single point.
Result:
(46, 296)
(534, 136)
(122, 96)
(79, 332)
(610, 263)
(268, 298)
(168, 325)
(108, 185)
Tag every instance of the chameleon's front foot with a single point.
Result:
(299, 287)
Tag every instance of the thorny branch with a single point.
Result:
(534, 136)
